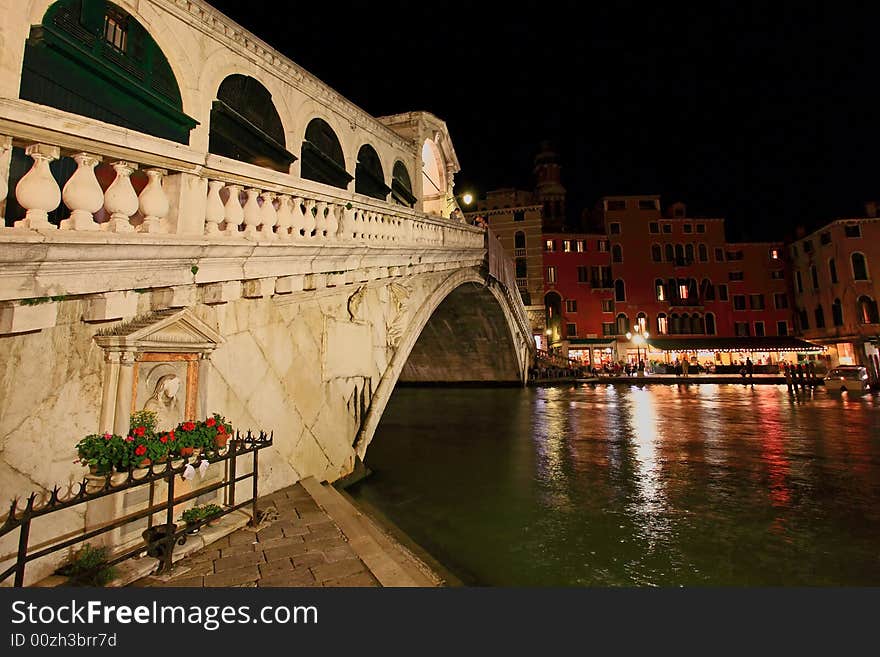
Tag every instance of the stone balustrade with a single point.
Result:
(230, 209)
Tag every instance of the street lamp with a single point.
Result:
(640, 338)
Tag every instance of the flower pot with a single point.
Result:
(186, 451)
(193, 529)
(220, 440)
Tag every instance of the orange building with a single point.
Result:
(836, 289)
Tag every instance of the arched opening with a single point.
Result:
(369, 179)
(619, 290)
(707, 290)
(675, 324)
(689, 253)
(622, 324)
(685, 323)
(519, 240)
(679, 254)
(92, 58)
(642, 322)
(245, 125)
(553, 315)
(670, 253)
(433, 179)
(656, 253)
(832, 270)
(820, 316)
(401, 186)
(662, 324)
(322, 158)
(660, 289)
(704, 253)
(859, 267)
(837, 313)
(866, 309)
(710, 323)
(698, 325)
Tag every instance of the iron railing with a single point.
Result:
(159, 539)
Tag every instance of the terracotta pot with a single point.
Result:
(220, 439)
(186, 451)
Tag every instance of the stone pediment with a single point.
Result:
(175, 331)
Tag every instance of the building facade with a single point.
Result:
(835, 289)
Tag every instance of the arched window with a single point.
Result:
(245, 125)
(685, 324)
(689, 253)
(616, 253)
(707, 290)
(670, 253)
(693, 292)
(867, 310)
(92, 58)
(660, 289)
(704, 253)
(859, 267)
(656, 253)
(521, 268)
(519, 240)
(679, 254)
(675, 324)
(622, 324)
(698, 326)
(820, 317)
(369, 179)
(619, 290)
(832, 270)
(642, 322)
(401, 186)
(710, 323)
(837, 313)
(322, 158)
(662, 324)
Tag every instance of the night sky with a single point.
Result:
(766, 115)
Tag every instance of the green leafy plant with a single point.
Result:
(146, 419)
(103, 452)
(88, 567)
(205, 434)
(197, 513)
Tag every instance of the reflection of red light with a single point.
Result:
(773, 454)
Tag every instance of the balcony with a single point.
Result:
(519, 253)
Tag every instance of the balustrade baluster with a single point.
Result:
(83, 194)
(153, 203)
(233, 211)
(299, 219)
(251, 213)
(332, 222)
(268, 216)
(4, 170)
(38, 192)
(311, 222)
(285, 217)
(214, 212)
(347, 228)
(120, 199)
(321, 220)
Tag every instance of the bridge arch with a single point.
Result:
(456, 294)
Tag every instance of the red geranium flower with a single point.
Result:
(128, 439)
(107, 436)
(221, 428)
(210, 422)
(140, 450)
(140, 431)
(188, 426)
(163, 439)
(171, 435)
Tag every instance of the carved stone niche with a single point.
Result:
(155, 362)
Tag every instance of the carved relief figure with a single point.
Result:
(166, 402)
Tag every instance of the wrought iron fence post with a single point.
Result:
(170, 537)
(256, 477)
(230, 493)
(24, 531)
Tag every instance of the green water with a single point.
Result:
(623, 485)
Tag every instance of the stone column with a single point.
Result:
(123, 393)
(111, 382)
(187, 196)
(38, 192)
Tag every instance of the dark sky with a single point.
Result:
(765, 113)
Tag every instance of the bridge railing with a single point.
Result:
(502, 269)
(130, 183)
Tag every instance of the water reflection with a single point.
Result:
(635, 485)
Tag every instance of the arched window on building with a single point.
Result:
(679, 254)
(642, 322)
(859, 267)
(707, 290)
(369, 179)
(693, 291)
(820, 316)
(619, 290)
(662, 324)
(698, 326)
(616, 253)
(685, 324)
(521, 268)
(401, 186)
(245, 125)
(322, 158)
(832, 270)
(670, 253)
(622, 324)
(660, 289)
(689, 253)
(656, 253)
(710, 323)
(519, 240)
(867, 310)
(837, 313)
(675, 324)
(704, 253)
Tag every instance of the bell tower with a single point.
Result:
(548, 188)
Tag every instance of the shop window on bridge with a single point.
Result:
(369, 179)
(92, 58)
(867, 310)
(401, 186)
(837, 313)
(322, 158)
(245, 125)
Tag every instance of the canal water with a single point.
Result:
(626, 485)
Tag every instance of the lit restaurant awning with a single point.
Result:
(766, 343)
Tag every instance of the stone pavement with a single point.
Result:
(303, 547)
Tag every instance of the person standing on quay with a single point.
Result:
(800, 376)
(786, 371)
(811, 372)
(750, 367)
(685, 363)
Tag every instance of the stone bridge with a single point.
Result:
(277, 288)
